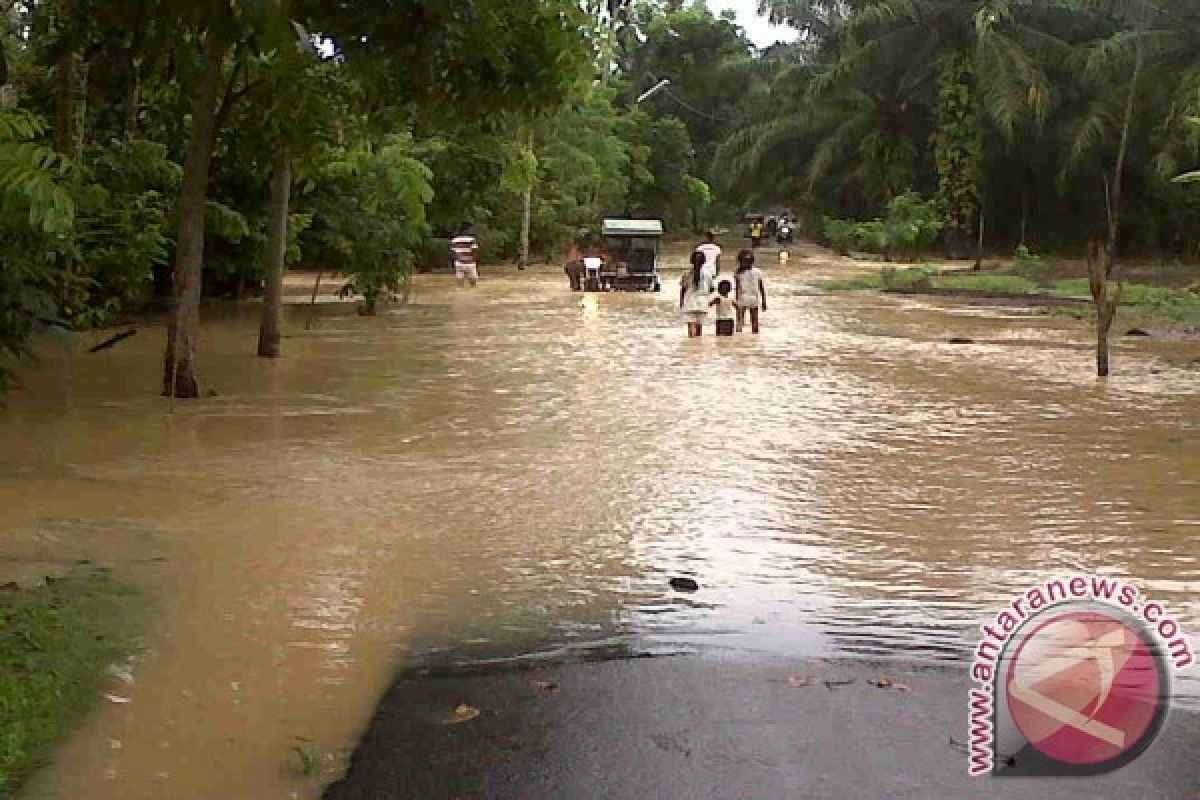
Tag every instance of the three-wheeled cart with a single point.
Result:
(632, 248)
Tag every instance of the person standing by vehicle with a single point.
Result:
(465, 248)
(574, 266)
(751, 291)
(712, 254)
(695, 291)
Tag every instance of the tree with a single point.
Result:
(500, 57)
(1125, 44)
(36, 219)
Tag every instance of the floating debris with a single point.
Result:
(684, 584)
(463, 713)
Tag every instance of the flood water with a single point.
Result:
(518, 470)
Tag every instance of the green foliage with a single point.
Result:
(1029, 265)
(1159, 302)
(958, 148)
(699, 197)
(123, 230)
(910, 227)
(840, 233)
(369, 215)
(37, 215)
(55, 644)
(909, 278)
(997, 284)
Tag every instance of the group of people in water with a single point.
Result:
(703, 289)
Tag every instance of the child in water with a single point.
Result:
(726, 310)
(751, 291)
(695, 291)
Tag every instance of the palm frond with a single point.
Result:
(835, 145)
(1093, 128)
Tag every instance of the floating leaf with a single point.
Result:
(463, 713)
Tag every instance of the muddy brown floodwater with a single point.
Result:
(519, 470)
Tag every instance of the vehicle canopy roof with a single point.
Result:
(633, 227)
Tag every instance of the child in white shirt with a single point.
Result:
(726, 310)
(751, 291)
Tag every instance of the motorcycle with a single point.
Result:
(784, 235)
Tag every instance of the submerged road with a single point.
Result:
(515, 473)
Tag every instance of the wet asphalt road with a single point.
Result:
(709, 727)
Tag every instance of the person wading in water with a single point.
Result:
(465, 248)
(751, 291)
(712, 254)
(695, 292)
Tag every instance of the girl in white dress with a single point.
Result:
(695, 292)
(751, 290)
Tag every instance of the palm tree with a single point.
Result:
(1129, 49)
(977, 58)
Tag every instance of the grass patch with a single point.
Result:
(1000, 284)
(56, 643)
(1144, 303)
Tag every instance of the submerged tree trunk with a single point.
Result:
(179, 360)
(1099, 270)
(1101, 263)
(277, 230)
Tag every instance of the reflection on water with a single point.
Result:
(518, 470)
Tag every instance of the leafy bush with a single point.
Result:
(1029, 265)
(123, 228)
(912, 226)
(433, 255)
(910, 278)
(37, 219)
(839, 233)
(871, 236)
(369, 215)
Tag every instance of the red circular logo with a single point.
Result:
(1084, 688)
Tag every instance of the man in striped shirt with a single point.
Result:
(465, 248)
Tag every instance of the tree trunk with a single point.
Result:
(133, 102)
(958, 151)
(179, 360)
(67, 78)
(1101, 264)
(277, 240)
(527, 212)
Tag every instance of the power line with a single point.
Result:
(695, 110)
